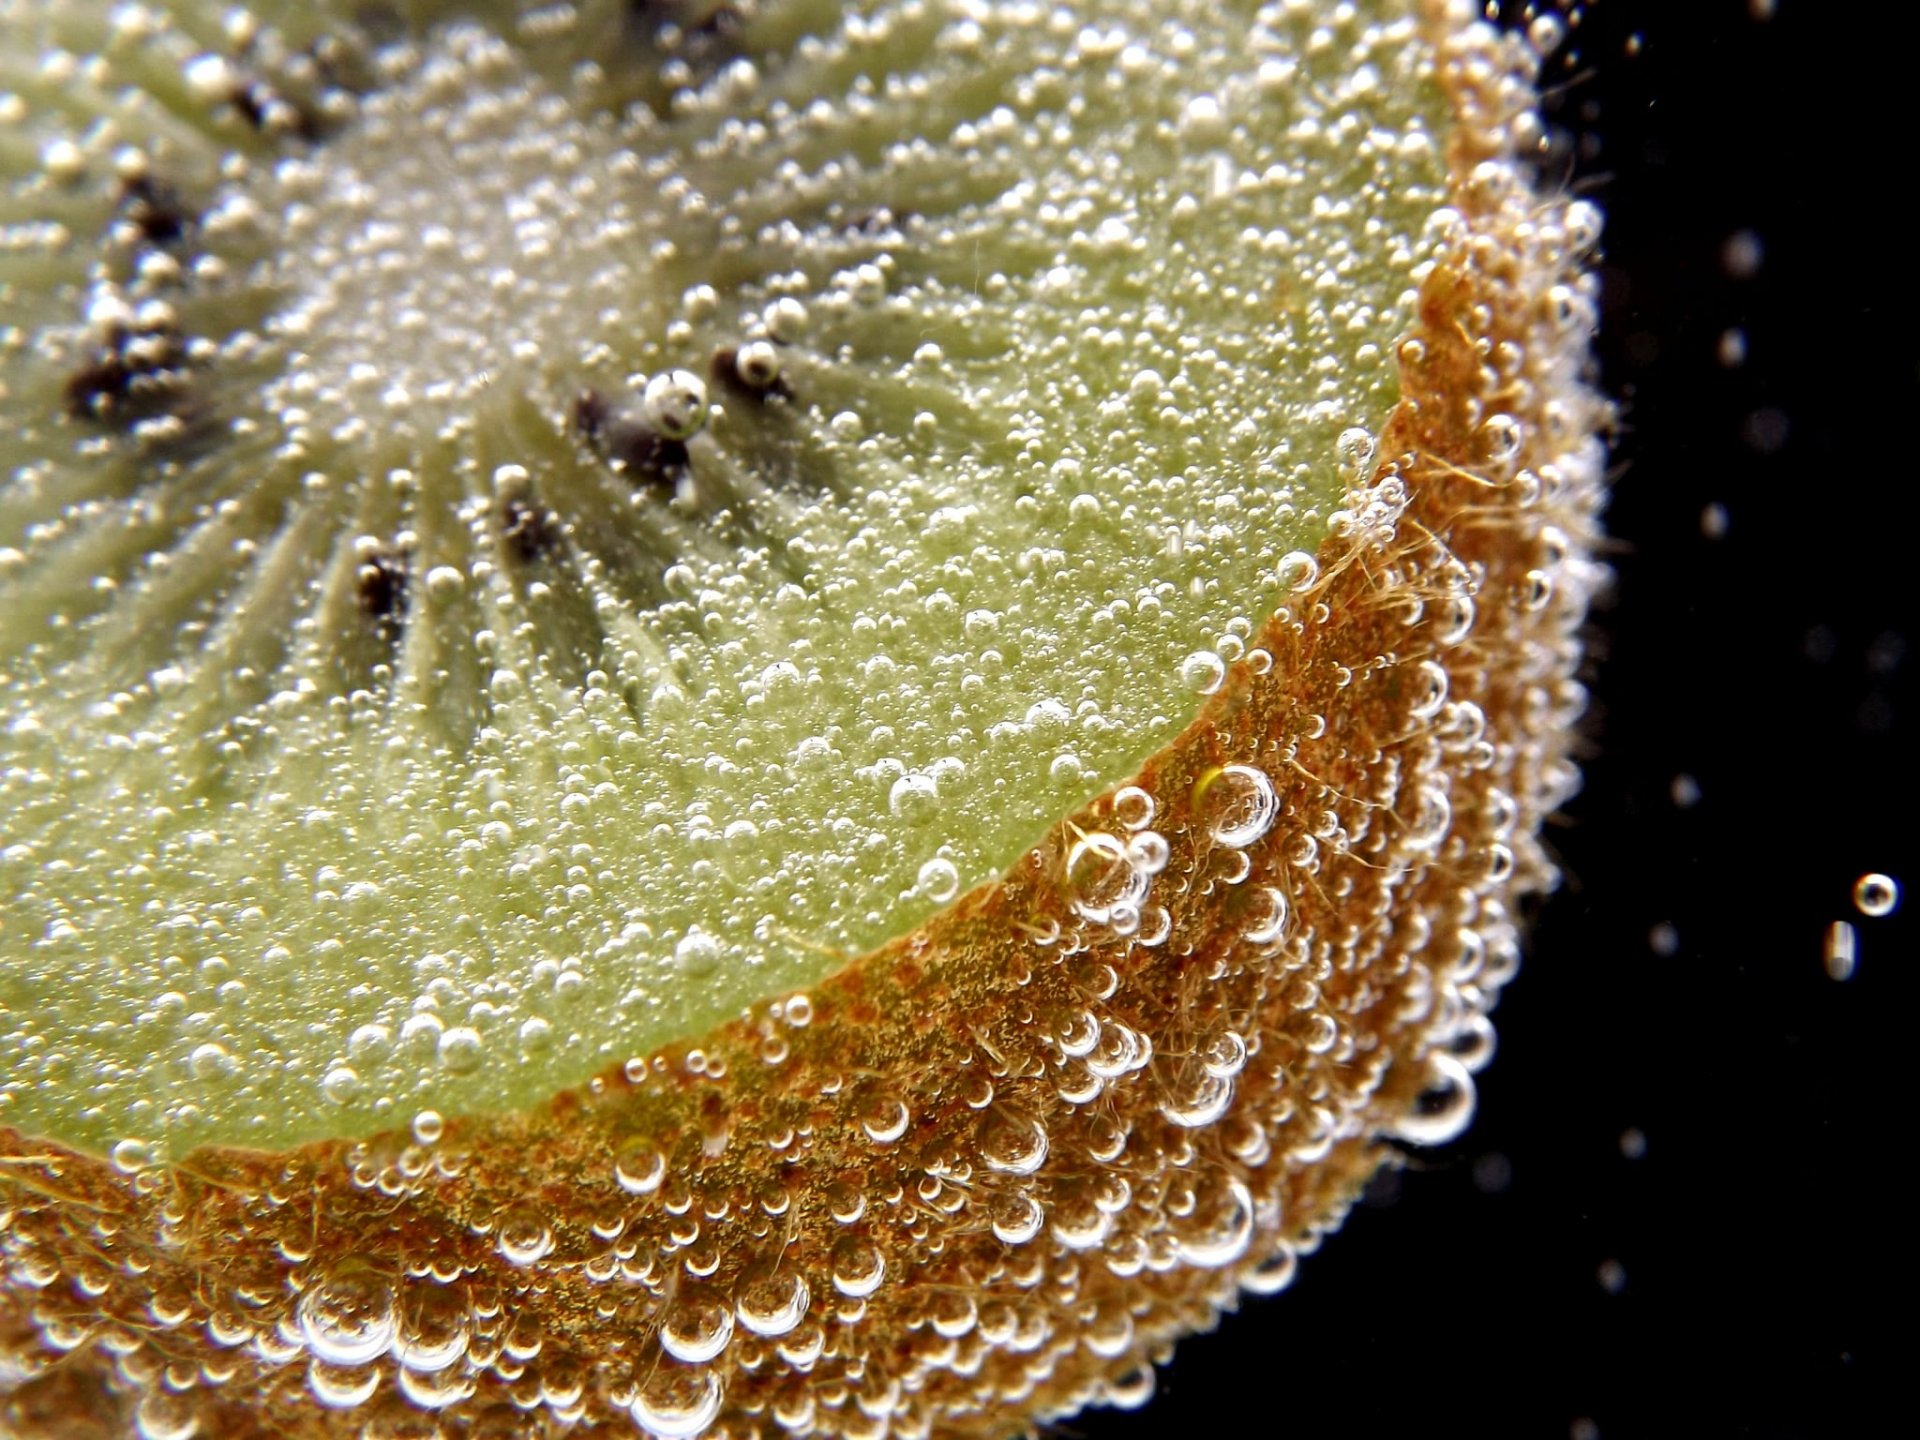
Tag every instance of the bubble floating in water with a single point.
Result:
(1876, 895)
(1841, 950)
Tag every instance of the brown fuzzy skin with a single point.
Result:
(893, 1125)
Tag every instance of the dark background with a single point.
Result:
(1744, 1276)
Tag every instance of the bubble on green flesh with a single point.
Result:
(389, 728)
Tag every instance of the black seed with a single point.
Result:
(880, 220)
(133, 376)
(381, 587)
(628, 443)
(155, 209)
(529, 528)
(251, 101)
(642, 453)
(97, 387)
(589, 413)
(261, 106)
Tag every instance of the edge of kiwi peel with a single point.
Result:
(880, 1193)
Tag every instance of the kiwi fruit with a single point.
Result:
(786, 718)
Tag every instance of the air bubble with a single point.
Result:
(370, 1044)
(428, 1127)
(1012, 1144)
(1202, 672)
(1156, 924)
(1432, 819)
(341, 1084)
(1443, 1109)
(938, 880)
(858, 1268)
(773, 1304)
(1241, 804)
(445, 583)
(677, 1404)
(1501, 440)
(1267, 916)
(1583, 224)
(1133, 808)
(786, 320)
(1100, 875)
(757, 364)
(914, 798)
(1876, 895)
(1273, 1274)
(460, 1049)
(884, 1120)
(1430, 690)
(1130, 1390)
(1118, 1051)
(1220, 1228)
(210, 1062)
(1195, 1097)
(132, 1156)
(1231, 866)
(1077, 1034)
(845, 1203)
(1842, 950)
(347, 1318)
(1016, 1217)
(1297, 571)
(696, 1329)
(1225, 1054)
(341, 1387)
(675, 404)
(436, 1331)
(523, 1237)
(1353, 453)
(1148, 852)
(163, 1415)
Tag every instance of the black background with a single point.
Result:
(1745, 1276)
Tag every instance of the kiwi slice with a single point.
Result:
(512, 560)
(585, 551)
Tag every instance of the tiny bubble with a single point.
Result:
(1612, 1276)
(1713, 521)
(1765, 431)
(1633, 1143)
(1733, 348)
(1875, 895)
(1493, 1174)
(1885, 652)
(1742, 255)
(1842, 950)
(1685, 791)
(1664, 940)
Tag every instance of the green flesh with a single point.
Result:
(290, 853)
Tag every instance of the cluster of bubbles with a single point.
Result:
(1230, 981)
(668, 527)
(1874, 896)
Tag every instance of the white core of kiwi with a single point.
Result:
(382, 729)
